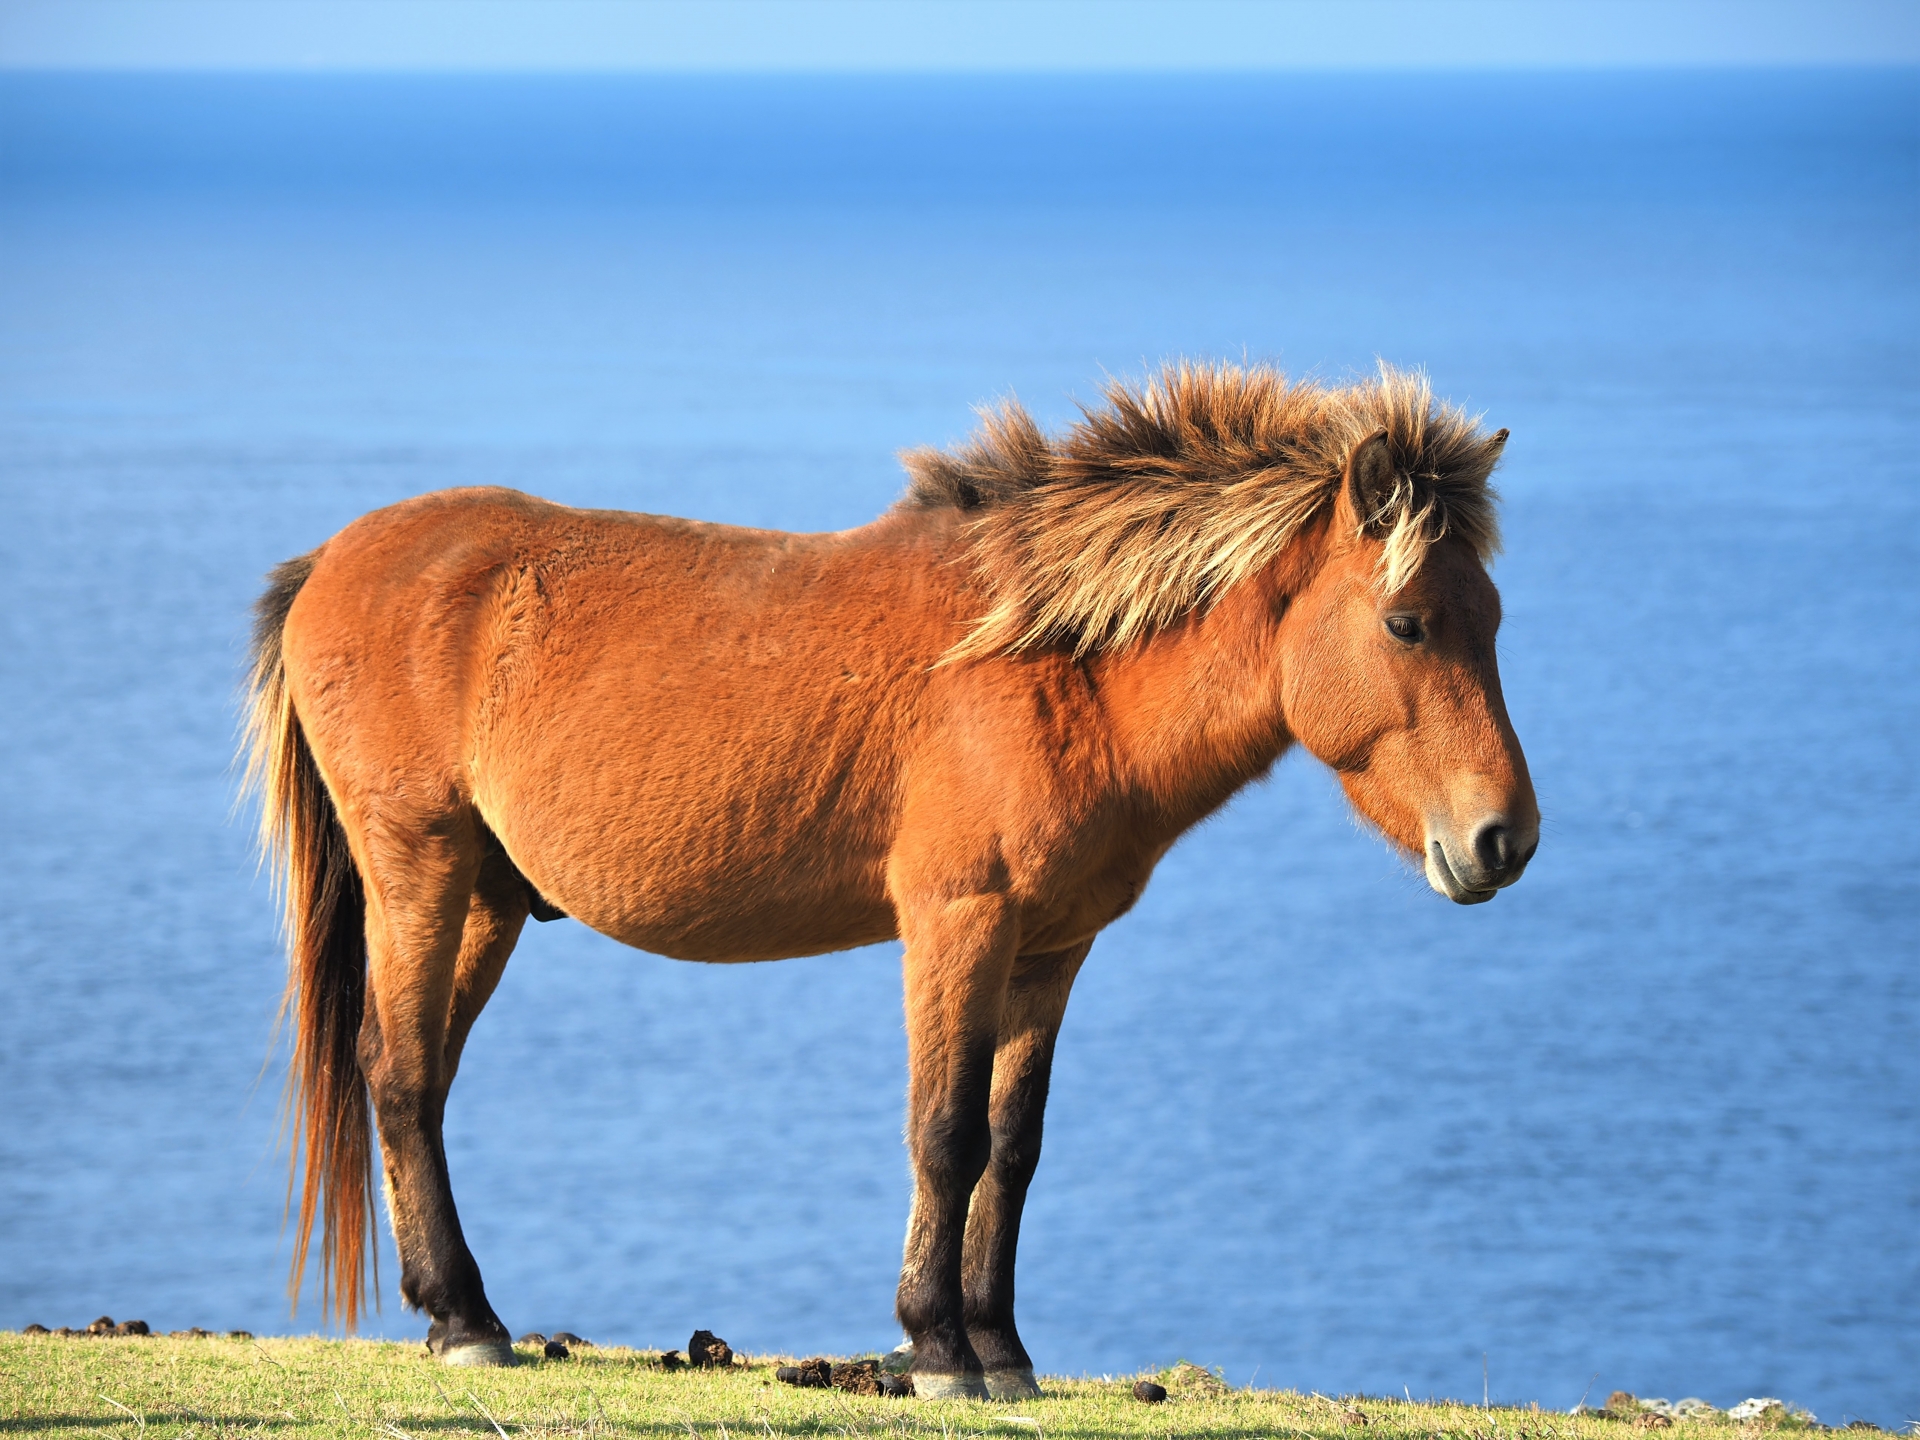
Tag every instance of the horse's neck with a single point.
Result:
(1195, 711)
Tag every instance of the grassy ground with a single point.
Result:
(217, 1387)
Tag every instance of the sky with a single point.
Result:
(980, 35)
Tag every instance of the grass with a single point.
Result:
(162, 1388)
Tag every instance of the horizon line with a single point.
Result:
(10, 67)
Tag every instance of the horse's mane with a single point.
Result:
(1177, 488)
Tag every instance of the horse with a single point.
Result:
(974, 725)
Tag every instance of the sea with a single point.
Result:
(1649, 1121)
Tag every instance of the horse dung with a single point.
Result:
(814, 1374)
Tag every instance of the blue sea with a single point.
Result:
(1649, 1121)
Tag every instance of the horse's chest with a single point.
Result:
(1079, 911)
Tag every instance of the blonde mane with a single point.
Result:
(1176, 489)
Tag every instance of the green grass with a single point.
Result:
(167, 1388)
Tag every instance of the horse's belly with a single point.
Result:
(746, 935)
(704, 892)
(719, 926)
(702, 831)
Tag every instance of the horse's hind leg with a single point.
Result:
(495, 916)
(442, 917)
(1022, 1063)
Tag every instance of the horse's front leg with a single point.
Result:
(1022, 1063)
(959, 954)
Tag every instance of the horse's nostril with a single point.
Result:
(1493, 846)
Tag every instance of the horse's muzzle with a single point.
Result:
(1494, 855)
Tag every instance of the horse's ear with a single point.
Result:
(1371, 481)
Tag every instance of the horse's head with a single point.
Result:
(1399, 691)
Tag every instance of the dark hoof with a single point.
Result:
(554, 1350)
(533, 1338)
(1149, 1392)
(813, 1374)
(707, 1351)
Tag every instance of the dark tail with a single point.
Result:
(325, 921)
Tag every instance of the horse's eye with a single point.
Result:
(1404, 627)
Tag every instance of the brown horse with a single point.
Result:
(975, 724)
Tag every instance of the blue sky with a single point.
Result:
(872, 35)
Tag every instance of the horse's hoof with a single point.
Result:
(1012, 1385)
(479, 1352)
(950, 1387)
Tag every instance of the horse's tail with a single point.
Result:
(326, 1103)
